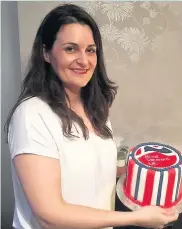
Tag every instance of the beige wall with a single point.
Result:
(143, 52)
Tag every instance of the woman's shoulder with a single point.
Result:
(31, 109)
(33, 103)
(34, 128)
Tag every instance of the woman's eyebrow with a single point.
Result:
(75, 44)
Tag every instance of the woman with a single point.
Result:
(59, 133)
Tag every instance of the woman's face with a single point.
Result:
(73, 55)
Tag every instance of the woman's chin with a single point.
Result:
(76, 87)
(80, 85)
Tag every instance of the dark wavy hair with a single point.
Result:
(41, 80)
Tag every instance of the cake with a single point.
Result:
(153, 175)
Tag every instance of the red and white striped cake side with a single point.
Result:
(150, 186)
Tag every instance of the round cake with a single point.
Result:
(153, 175)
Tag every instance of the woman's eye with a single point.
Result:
(70, 49)
(92, 50)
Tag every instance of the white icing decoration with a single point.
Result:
(155, 188)
(142, 184)
(164, 188)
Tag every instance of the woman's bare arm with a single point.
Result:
(41, 181)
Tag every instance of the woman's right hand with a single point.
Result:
(155, 217)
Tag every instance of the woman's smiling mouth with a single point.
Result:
(79, 71)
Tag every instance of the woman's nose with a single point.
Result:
(82, 59)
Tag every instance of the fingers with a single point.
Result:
(172, 218)
(168, 219)
(169, 211)
(160, 216)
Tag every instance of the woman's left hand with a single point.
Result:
(120, 171)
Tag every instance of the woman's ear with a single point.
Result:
(46, 55)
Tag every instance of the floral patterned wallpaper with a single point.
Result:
(142, 43)
(134, 28)
(136, 34)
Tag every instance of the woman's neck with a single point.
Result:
(74, 97)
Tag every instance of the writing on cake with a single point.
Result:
(161, 157)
